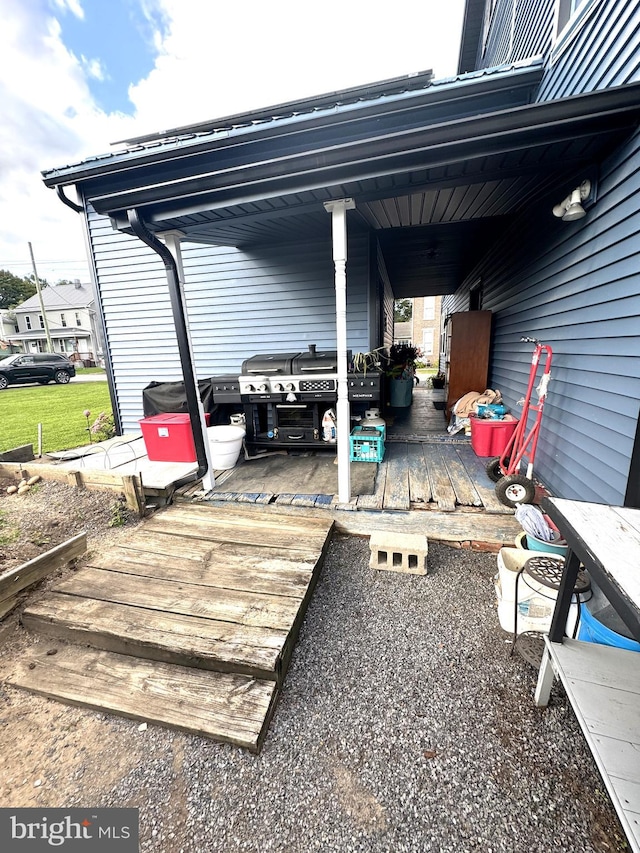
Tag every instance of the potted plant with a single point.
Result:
(438, 380)
(401, 371)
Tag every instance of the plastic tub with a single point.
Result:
(556, 546)
(490, 437)
(225, 442)
(600, 623)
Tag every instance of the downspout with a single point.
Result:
(142, 232)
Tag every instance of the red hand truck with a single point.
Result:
(512, 487)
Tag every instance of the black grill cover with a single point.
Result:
(161, 397)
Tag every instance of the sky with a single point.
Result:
(77, 76)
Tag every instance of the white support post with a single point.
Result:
(172, 242)
(338, 211)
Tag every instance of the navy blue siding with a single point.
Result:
(576, 287)
(277, 298)
(601, 51)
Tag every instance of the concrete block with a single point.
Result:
(399, 552)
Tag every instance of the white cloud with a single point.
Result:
(213, 58)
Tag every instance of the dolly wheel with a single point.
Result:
(493, 469)
(515, 489)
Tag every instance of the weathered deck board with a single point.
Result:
(158, 635)
(221, 706)
(188, 599)
(419, 485)
(441, 488)
(465, 491)
(396, 488)
(189, 521)
(486, 489)
(229, 566)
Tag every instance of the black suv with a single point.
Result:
(39, 367)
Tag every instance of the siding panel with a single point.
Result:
(269, 299)
(575, 286)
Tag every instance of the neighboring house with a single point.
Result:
(8, 328)
(423, 329)
(426, 327)
(70, 315)
(444, 188)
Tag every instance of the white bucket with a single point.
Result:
(536, 602)
(225, 443)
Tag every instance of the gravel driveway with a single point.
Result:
(404, 725)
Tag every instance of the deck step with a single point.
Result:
(152, 634)
(222, 706)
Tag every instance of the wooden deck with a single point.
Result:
(426, 473)
(191, 623)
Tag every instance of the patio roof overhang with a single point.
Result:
(430, 169)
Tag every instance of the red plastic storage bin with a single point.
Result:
(168, 437)
(490, 437)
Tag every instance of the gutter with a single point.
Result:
(142, 232)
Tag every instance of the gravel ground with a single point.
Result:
(404, 725)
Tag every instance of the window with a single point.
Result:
(570, 17)
(27, 321)
(63, 320)
(429, 312)
(427, 342)
(41, 321)
(78, 319)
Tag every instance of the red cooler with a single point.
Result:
(490, 437)
(168, 437)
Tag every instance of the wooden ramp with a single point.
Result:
(191, 623)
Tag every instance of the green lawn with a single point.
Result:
(59, 408)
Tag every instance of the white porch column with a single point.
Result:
(172, 242)
(338, 211)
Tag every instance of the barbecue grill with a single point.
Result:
(284, 395)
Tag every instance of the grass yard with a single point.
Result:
(59, 408)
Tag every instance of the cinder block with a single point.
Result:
(399, 552)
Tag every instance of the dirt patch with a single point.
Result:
(52, 754)
(52, 512)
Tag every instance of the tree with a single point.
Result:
(14, 290)
(402, 310)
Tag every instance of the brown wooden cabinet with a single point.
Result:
(467, 346)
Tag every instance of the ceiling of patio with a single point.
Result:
(433, 172)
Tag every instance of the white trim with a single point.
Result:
(572, 28)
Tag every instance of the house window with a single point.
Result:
(570, 18)
(27, 321)
(63, 320)
(41, 321)
(78, 319)
(427, 342)
(429, 311)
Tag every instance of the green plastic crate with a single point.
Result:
(366, 444)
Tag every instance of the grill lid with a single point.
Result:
(269, 364)
(325, 361)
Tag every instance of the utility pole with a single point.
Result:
(44, 313)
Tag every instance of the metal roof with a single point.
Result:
(59, 297)
(431, 169)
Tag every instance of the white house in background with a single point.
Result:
(71, 318)
(8, 328)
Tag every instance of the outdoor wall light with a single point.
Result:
(573, 205)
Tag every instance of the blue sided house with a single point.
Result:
(511, 188)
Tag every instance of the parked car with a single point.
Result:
(42, 367)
